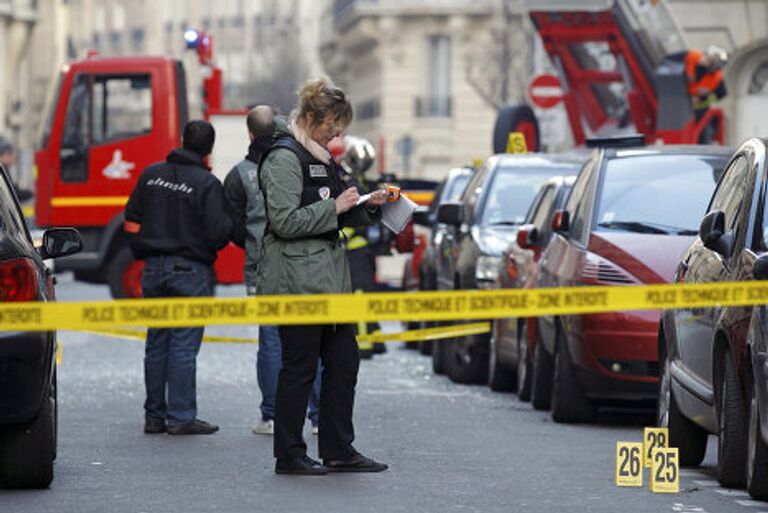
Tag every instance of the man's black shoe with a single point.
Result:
(198, 427)
(154, 426)
(305, 466)
(357, 463)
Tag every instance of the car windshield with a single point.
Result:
(662, 194)
(455, 187)
(512, 190)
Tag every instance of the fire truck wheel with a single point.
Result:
(124, 274)
(516, 118)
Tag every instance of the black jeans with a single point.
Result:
(336, 345)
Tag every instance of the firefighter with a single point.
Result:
(704, 71)
(704, 76)
(358, 157)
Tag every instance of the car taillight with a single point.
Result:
(18, 280)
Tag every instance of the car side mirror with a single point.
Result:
(449, 213)
(59, 242)
(561, 221)
(527, 237)
(760, 267)
(712, 233)
(421, 216)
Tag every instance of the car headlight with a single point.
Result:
(487, 268)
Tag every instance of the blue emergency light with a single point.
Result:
(192, 38)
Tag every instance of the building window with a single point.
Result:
(370, 109)
(116, 40)
(138, 39)
(759, 82)
(437, 101)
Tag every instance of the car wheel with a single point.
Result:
(440, 355)
(569, 404)
(732, 419)
(469, 360)
(124, 274)
(757, 452)
(689, 438)
(541, 379)
(500, 379)
(523, 364)
(27, 452)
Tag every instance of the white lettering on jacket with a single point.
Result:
(176, 187)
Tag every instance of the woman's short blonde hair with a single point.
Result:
(321, 97)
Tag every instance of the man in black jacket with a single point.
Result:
(178, 216)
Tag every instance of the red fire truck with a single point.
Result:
(617, 70)
(106, 120)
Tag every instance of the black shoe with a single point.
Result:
(154, 426)
(305, 466)
(357, 463)
(198, 427)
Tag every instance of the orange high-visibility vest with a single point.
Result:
(708, 83)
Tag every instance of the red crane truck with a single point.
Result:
(614, 60)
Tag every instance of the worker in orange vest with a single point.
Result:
(704, 76)
(704, 71)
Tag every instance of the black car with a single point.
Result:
(27, 359)
(485, 221)
(420, 272)
(714, 360)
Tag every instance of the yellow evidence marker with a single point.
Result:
(665, 470)
(629, 464)
(516, 143)
(653, 438)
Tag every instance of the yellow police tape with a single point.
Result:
(437, 333)
(142, 335)
(352, 308)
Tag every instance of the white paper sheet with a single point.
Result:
(396, 214)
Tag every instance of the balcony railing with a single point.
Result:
(345, 11)
(434, 107)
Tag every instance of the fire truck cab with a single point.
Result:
(107, 119)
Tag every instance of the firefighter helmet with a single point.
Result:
(717, 57)
(359, 155)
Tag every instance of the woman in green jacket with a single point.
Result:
(307, 205)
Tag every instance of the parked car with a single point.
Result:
(713, 377)
(419, 272)
(513, 339)
(630, 215)
(27, 359)
(493, 206)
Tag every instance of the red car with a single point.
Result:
(513, 339)
(630, 215)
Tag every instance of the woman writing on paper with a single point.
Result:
(307, 205)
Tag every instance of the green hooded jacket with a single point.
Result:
(292, 261)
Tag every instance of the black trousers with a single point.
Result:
(336, 345)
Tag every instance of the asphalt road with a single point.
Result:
(449, 447)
